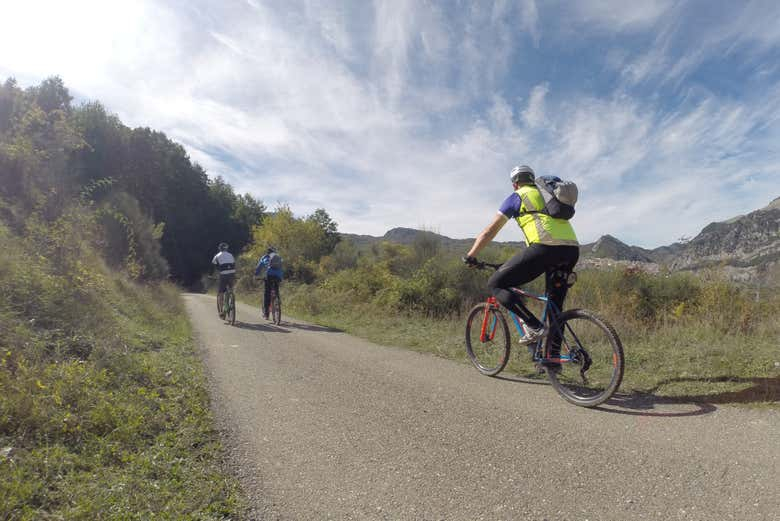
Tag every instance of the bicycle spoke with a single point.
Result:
(591, 359)
(487, 339)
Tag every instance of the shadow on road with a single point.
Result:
(310, 327)
(640, 404)
(635, 404)
(522, 379)
(761, 390)
(268, 328)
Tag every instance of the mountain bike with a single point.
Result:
(229, 303)
(275, 304)
(581, 354)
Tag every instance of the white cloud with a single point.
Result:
(534, 113)
(617, 15)
(529, 20)
(402, 114)
(682, 46)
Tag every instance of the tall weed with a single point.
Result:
(103, 409)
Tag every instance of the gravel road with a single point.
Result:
(322, 425)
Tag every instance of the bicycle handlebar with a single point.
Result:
(481, 265)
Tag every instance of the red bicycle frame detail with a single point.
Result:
(490, 304)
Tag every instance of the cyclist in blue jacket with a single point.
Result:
(271, 265)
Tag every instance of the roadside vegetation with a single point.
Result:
(104, 412)
(695, 337)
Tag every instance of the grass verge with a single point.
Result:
(114, 425)
(684, 361)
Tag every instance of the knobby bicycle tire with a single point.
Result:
(231, 313)
(491, 356)
(276, 309)
(594, 364)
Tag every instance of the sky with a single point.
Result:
(412, 113)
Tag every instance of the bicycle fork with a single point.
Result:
(489, 321)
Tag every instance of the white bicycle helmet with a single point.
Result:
(522, 175)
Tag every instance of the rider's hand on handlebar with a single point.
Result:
(470, 261)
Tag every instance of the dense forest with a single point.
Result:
(100, 383)
(142, 186)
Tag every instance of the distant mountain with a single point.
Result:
(408, 236)
(746, 247)
(608, 247)
(750, 240)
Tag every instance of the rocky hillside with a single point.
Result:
(750, 240)
(746, 248)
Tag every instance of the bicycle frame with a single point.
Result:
(272, 292)
(488, 331)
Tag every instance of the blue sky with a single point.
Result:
(412, 113)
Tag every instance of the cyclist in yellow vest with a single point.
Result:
(552, 245)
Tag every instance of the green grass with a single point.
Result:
(104, 411)
(680, 359)
(126, 434)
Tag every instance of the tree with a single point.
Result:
(301, 242)
(36, 146)
(426, 245)
(321, 218)
(247, 213)
(345, 255)
(52, 95)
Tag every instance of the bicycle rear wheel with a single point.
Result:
(591, 357)
(489, 352)
(276, 309)
(231, 309)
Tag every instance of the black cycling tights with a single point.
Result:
(525, 267)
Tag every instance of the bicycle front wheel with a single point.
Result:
(276, 310)
(591, 358)
(487, 339)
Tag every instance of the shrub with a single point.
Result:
(362, 283)
(130, 240)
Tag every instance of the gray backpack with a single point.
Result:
(275, 261)
(559, 196)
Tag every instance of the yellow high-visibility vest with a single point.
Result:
(540, 228)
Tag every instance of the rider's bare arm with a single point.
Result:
(488, 234)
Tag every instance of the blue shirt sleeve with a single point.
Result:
(261, 264)
(511, 206)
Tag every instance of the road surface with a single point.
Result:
(322, 425)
